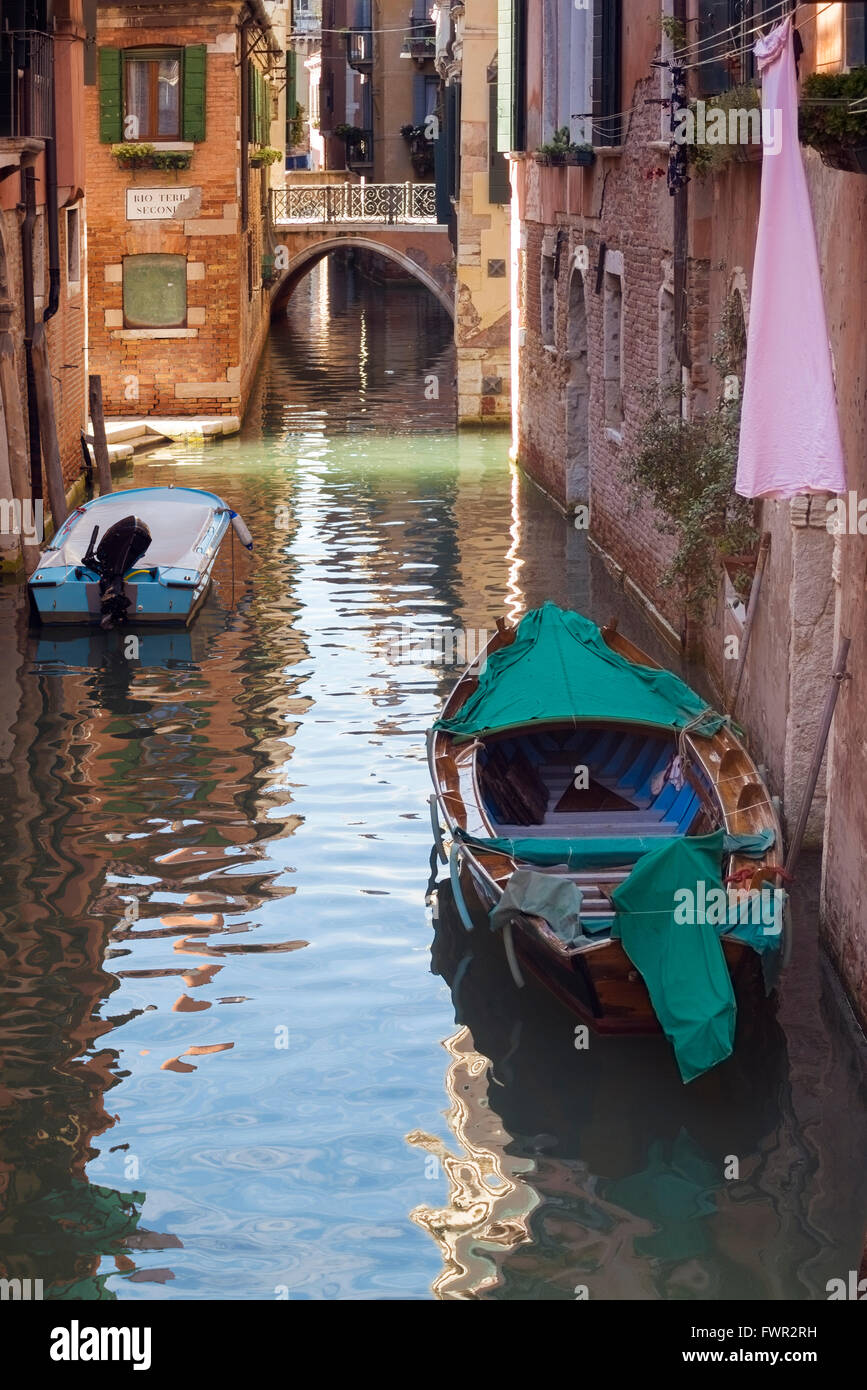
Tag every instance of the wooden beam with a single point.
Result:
(100, 445)
(48, 428)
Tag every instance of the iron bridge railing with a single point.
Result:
(355, 202)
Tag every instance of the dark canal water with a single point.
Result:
(241, 1057)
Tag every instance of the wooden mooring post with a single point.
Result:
(97, 424)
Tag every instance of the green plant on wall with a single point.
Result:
(688, 469)
(265, 156)
(825, 120)
(674, 30)
(561, 149)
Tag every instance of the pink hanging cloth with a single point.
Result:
(790, 435)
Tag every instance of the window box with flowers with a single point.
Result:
(561, 149)
(146, 156)
(264, 157)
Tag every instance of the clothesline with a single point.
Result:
(717, 42)
(725, 51)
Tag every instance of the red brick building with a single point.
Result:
(182, 106)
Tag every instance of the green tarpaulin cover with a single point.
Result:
(559, 667)
(682, 963)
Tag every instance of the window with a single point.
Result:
(155, 291)
(607, 26)
(39, 258)
(613, 351)
(152, 94)
(727, 32)
(152, 105)
(546, 293)
(856, 34)
(668, 365)
(73, 246)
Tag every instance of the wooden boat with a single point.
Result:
(517, 784)
(143, 555)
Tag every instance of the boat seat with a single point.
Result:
(574, 827)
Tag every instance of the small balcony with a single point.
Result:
(359, 49)
(420, 42)
(25, 84)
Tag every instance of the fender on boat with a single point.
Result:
(241, 531)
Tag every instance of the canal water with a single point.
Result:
(241, 1056)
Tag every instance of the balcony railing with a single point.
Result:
(25, 83)
(420, 41)
(354, 202)
(359, 154)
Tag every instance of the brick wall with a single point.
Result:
(624, 202)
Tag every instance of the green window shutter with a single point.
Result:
(110, 96)
(264, 110)
(499, 190)
(195, 60)
(252, 103)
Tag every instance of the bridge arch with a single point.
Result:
(308, 256)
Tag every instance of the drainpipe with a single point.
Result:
(681, 249)
(52, 212)
(245, 127)
(28, 198)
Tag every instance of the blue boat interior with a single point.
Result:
(588, 780)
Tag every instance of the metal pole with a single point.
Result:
(764, 547)
(838, 676)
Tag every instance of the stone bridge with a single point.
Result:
(398, 220)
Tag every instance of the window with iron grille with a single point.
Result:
(607, 50)
(25, 83)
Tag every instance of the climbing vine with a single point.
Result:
(688, 469)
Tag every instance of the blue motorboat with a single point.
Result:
(143, 555)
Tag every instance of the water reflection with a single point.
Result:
(218, 1023)
(610, 1178)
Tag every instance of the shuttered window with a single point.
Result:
(498, 165)
(194, 96)
(110, 96)
(152, 94)
(260, 107)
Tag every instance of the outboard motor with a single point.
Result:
(121, 547)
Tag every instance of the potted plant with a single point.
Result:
(711, 154)
(827, 122)
(561, 149)
(421, 150)
(264, 156)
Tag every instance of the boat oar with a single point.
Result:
(838, 676)
(761, 560)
